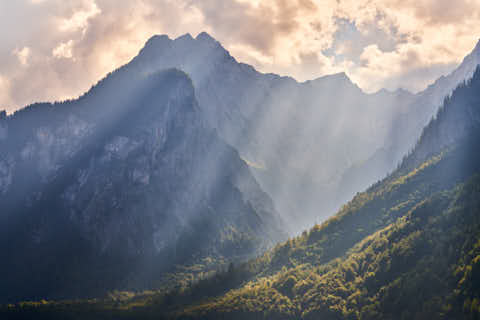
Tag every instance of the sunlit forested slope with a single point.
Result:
(406, 248)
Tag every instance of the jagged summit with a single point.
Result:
(206, 48)
(161, 40)
(157, 39)
(397, 92)
(339, 79)
(336, 77)
(185, 37)
(204, 36)
(402, 91)
(171, 52)
(339, 76)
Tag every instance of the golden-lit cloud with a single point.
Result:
(56, 49)
(63, 50)
(79, 19)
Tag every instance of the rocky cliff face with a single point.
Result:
(117, 187)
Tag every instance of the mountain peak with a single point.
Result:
(156, 43)
(158, 39)
(340, 77)
(336, 76)
(185, 37)
(204, 36)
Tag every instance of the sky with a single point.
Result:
(55, 49)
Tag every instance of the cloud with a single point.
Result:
(440, 12)
(22, 55)
(79, 19)
(64, 50)
(60, 48)
(260, 25)
(424, 44)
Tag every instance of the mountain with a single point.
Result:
(407, 247)
(119, 188)
(298, 138)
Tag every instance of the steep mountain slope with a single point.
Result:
(118, 187)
